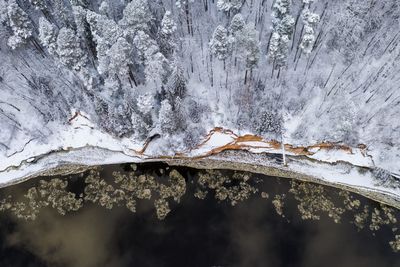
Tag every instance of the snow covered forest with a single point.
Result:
(305, 71)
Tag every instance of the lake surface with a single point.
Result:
(153, 215)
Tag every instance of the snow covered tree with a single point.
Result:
(20, 24)
(48, 35)
(105, 33)
(269, 122)
(237, 23)
(104, 9)
(79, 14)
(220, 43)
(266, 117)
(142, 119)
(282, 30)
(112, 86)
(120, 55)
(155, 63)
(166, 117)
(310, 20)
(136, 16)
(194, 134)
(168, 28)
(81, 3)
(114, 116)
(179, 114)
(253, 54)
(245, 40)
(103, 27)
(156, 68)
(145, 45)
(145, 103)
(84, 32)
(139, 126)
(69, 49)
(3, 12)
(176, 85)
(251, 46)
(170, 117)
(180, 3)
(343, 126)
(39, 4)
(228, 5)
(119, 116)
(276, 50)
(61, 13)
(194, 110)
(185, 10)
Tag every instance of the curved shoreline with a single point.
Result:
(377, 196)
(262, 163)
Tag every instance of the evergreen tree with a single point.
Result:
(119, 58)
(195, 111)
(193, 136)
(3, 12)
(48, 35)
(220, 43)
(252, 47)
(282, 24)
(139, 126)
(155, 63)
(176, 85)
(62, 13)
(237, 23)
(310, 20)
(166, 117)
(179, 115)
(39, 4)
(228, 5)
(246, 42)
(20, 24)
(104, 9)
(145, 45)
(278, 46)
(105, 33)
(69, 49)
(170, 117)
(136, 16)
(156, 68)
(120, 118)
(80, 20)
(182, 3)
(168, 28)
(145, 103)
(84, 32)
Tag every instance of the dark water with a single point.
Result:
(197, 232)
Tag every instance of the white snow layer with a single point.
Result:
(85, 145)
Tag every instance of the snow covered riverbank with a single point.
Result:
(331, 164)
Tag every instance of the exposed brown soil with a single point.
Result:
(238, 144)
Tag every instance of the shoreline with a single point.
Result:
(381, 197)
(77, 161)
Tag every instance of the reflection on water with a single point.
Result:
(186, 217)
